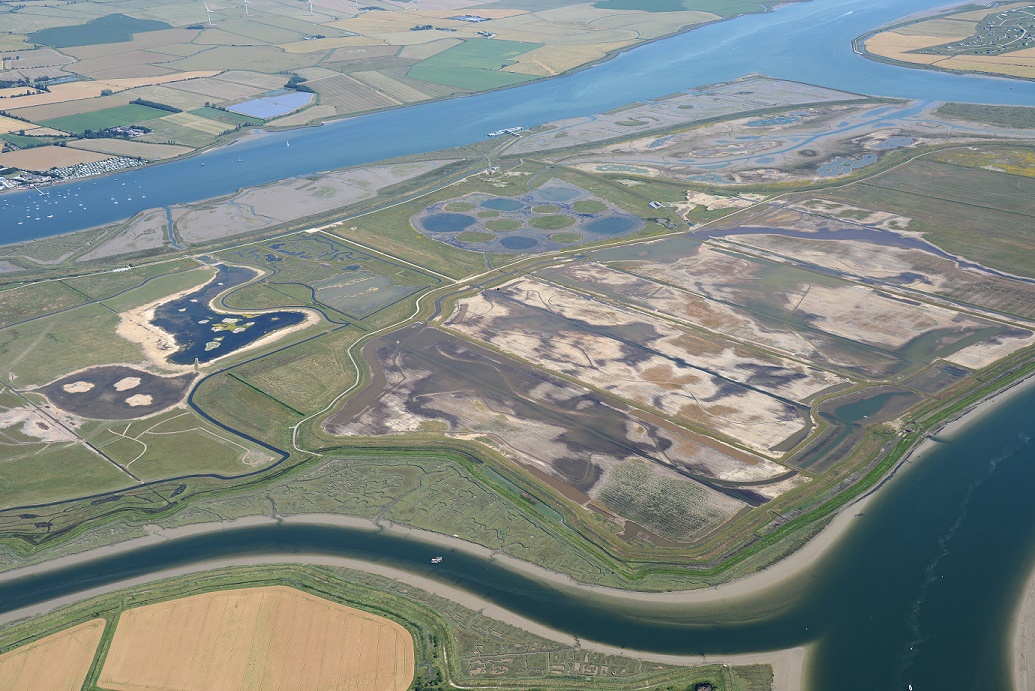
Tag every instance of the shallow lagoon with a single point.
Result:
(204, 334)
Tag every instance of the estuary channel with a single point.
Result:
(808, 42)
(921, 589)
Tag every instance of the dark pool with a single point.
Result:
(610, 225)
(204, 334)
(502, 204)
(517, 242)
(447, 223)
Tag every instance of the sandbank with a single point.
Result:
(1022, 645)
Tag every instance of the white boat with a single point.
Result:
(436, 560)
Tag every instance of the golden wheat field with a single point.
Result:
(55, 663)
(257, 638)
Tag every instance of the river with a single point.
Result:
(807, 42)
(921, 588)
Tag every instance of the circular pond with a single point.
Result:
(611, 225)
(557, 194)
(518, 242)
(502, 204)
(447, 223)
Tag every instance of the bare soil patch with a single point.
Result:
(100, 392)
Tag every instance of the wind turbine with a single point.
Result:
(209, 14)
(246, 13)
(310, 8)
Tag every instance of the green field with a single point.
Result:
(105, 285)
(42, 350)
(589, 206)
(1006, 116)
(42, 472)
(306, 377)
(551, 222)
(112, 28)
(175, 443)
(503, 225)
(26, 142)
(37, 300)
(984, 215)
(130, 114)
(474, 64)
(165, 132)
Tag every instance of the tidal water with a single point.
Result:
(920, 590)
(807, 42)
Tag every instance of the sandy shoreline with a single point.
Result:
(1022, 644)
(791, 663)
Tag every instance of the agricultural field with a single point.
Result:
(102, 119)
(353, 59)
(474, 65)
(44, 158)
(270, 637)
(998, 40)
(33, 666)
